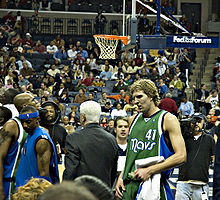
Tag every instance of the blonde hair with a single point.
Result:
(32, 189)
(148, 87)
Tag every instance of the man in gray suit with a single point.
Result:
(91, 150)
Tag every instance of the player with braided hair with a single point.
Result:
(153, 133)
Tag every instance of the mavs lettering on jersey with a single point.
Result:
(144, 145)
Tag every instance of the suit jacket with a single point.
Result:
(91, 151)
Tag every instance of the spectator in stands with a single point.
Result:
(26, 71)
(3, 39)
(171, 64)
(173, 91)
(9, 76)
(9, 19)
(89, 47)
(22, 81)
(167, 76)
(128, 79)
(81, 97)
(154, 76)
(78, 75)
(100, 22)
(185, 21)
(118, 75)
(69, 128)
(118, 96)
(71, 52)
(106, 109)
(212, 100)
(31, 90)
(79, 57)
(16, 40)
(130, 106)
(119, 85)
(108, 65)
(92, 63)
(118, 111)
(35, 18)
(104, 99)
(97, 82)
(177, 83)
(186, 108)
(21, 61)
(162, 87)
(184, 65)
(20, 22)
(52, 48)
(83, 52)
(45, 4)
(39, 47)
(201, 96)
(59, 93)
(28, 43)
(69, 84)
(86, 80)
(126, 56)
(170, 8)
(143, 24)
(168, 104)
(60, 54)
(59, 42)
(103, 121)
(141, 55)
(180, 75)
(96, 53)
(43, 89)
(73, 119)
(106, 75)
(138, 60)
(53, 70)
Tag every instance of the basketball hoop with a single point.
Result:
(108, 44)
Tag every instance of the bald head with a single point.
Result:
(24, 99)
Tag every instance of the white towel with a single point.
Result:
(150, 189)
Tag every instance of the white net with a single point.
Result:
(107, 46)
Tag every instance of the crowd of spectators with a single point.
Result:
(86, 5)
(72, 72)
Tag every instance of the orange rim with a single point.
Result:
(124, 39)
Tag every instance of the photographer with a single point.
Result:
(194, 174)
(49, 119)
(216, 176)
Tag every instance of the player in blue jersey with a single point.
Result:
(38, 156)
(12, 138)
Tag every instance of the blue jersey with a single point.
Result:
(11, 161)
(28, 166)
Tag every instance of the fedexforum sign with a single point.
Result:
(192, 41)
(186, 39)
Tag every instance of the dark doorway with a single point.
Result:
(193, 14)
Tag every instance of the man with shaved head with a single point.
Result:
(12, 138)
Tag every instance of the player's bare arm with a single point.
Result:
(43, 149)
(8, 134)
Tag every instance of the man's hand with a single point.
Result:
(119, 188)
(143, 173)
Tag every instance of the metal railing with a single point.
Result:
(70, 26)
